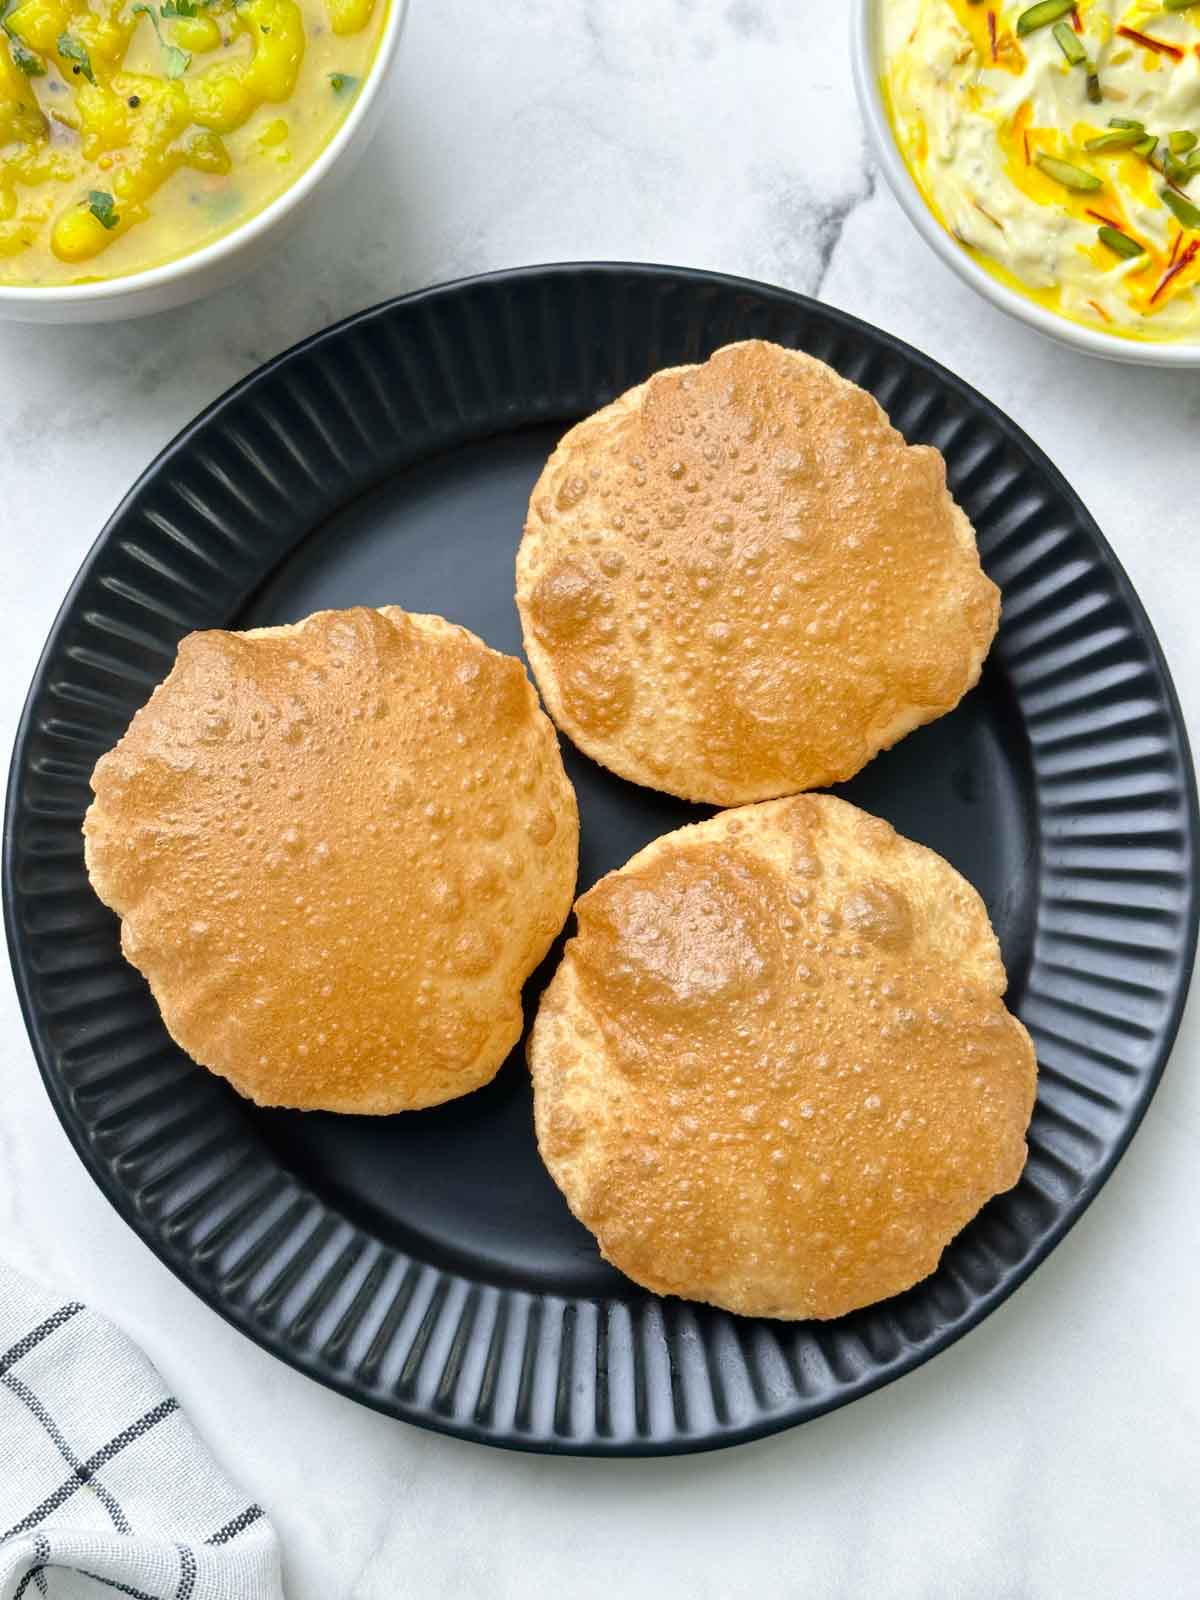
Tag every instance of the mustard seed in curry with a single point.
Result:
(132, 133)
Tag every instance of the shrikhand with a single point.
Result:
(1060, 144)
(134, 133)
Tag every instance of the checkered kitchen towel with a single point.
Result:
(104, 1488)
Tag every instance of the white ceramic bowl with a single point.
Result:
(226, 259)
(867, 55)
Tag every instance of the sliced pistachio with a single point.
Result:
(1120, 243)
(1094, 92)
(1188, 214)
(1115, 139)
(1042, 14)
(1071, 177)
(1181, 142)
(1069, 43)
(1177, 171)
(1126, 122)
(1146, 146)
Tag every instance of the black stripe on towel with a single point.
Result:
(35, 1335)
(83, 1473)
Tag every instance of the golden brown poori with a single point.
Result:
(738, 581)
(337, 850)
(774, 1070)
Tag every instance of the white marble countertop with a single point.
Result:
(1055, 1451)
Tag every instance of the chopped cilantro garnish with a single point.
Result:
(103, 207)
(24, 60)
(175, 61)
(70, 47)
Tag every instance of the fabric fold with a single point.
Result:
(104, 1486)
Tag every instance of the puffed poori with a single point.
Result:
(738, 581)
(337, 850)
(774, 1071)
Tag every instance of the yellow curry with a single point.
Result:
(132, 133)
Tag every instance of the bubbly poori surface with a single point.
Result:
(738, 581)
(774, 1070)
(338, 849)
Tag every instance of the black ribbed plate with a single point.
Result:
(425, 1264)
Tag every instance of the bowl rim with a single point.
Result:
(254, 227)
(865, 62)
